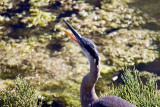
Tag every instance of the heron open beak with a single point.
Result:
(77, 36)
(73, 37)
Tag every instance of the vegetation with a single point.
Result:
(133, 90)
(38, 17)
(23, 95)
(136, 92)
(34, 45)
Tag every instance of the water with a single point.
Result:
(152, 9)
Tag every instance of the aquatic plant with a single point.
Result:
(38, 17)
(39, 3)
(136, 92)
(121, 49)
(43, 52)
(5, 4)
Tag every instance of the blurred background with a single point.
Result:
(34, 47)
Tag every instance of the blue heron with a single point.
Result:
(88, 95)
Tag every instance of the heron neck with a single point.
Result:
(88, 94)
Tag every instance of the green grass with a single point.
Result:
(133, 90)
(23, 95)
(136, 92)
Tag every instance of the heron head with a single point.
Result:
(88, 47)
